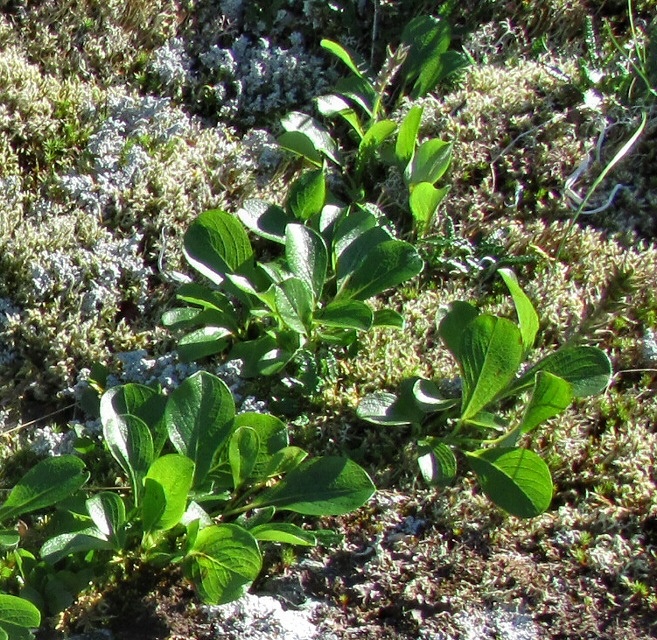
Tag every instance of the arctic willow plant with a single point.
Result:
(490, 350)
(421, 62)
(334, 259)
(205, 487)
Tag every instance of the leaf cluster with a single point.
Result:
(199, 486)
(490, 351)
(333, 260)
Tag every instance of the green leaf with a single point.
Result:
(374, 137)
(452, 325)
(259, 358)
(222, 562)
(346, 314)
(199, 417)
(350, 58)
(515, 479)
(204, 297)
(527, 316)
(66, 544)
(215, 244)
(9, 539)
(307, 195)
(129, 440)
(390, 409)
(429, 163)
(302, 145)
(202, 343)
(334, 105)
(318, 135)
(264, 219)
(307, 257)
(166, 488)
(437, 462)
(428, 398)
(243, 451)
(353, 247)
(550, 397)
(387, 265)
(407, 136)
(283, 461)
(294, 303)
(50, 481)
(424, 201)
(138, 400)
(107, 511)
(283, 532)
(428, 62)
(322, 486)
(587, 369)
(18, 612)
(490, 354)
(388, 318)
(272, 438)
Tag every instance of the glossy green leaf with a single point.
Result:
(15, 611)
(452, 325)
(387, 265)
(283, 461)
(322, 486)
(388, 318)
(264, 219)
(166, 489)
(353, 248)
(515, 479)
(9, 539)
(424, 201)
(107, 512)
(262, 356)
(392, 410)
(307, 195)
(428, 398)
(204, 297)
(222, 562)
(48, 482)
(437, 462)
(350, 58)
(374, 137)
(199, 417)
(203, 342)
(294, 303)
(527, 316)
(490, 354)
(430, 162)
(130, 442)
(272, 437)
(551, 396)
(216, 243)
(301, 144)
(587, 369)
(138, 400)
(317, 134)
(243, 451)
(428, 61)
(346, 314)
(307, 256)
(66, 544)
(407, 136)
(285, 533)
(335, 105)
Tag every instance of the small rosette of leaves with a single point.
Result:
(331, 261)
(490, 351)
(206, 486)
